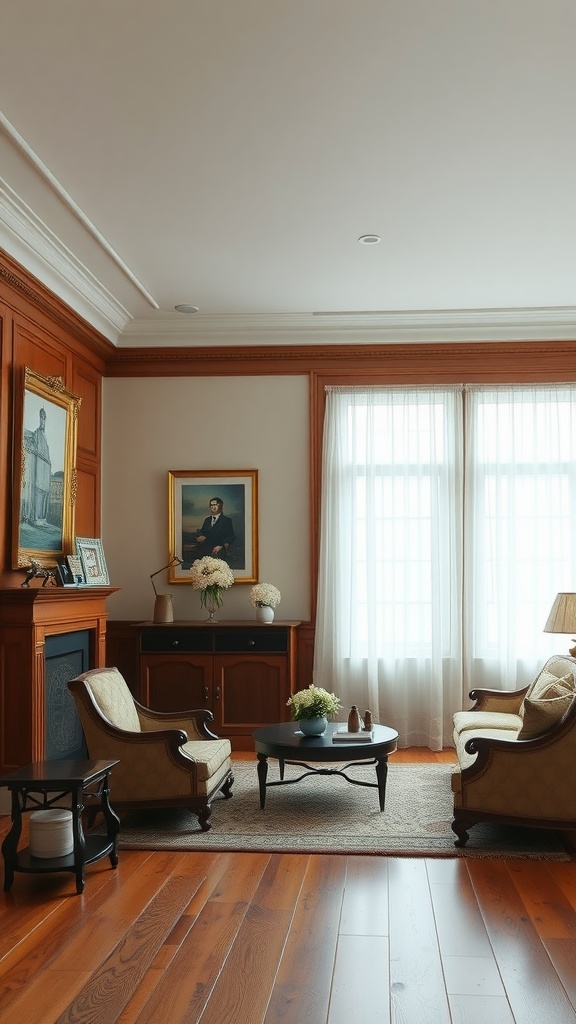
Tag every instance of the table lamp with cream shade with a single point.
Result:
(562, 617)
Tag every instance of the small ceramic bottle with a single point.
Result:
(367, 721)
(354, 724)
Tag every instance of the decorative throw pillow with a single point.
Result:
(559, 685)
(542, 713)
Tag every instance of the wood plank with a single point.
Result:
(185, 987)
(459, 923)
(110, 987)
(416, 984)
(57, 988)
(480, 1010)
(562, 953)
(472, 976)
(243, 988)
(365, 904)
(552, 915)
(302, 989)
(361, 983)
(34, 951)
(532, 986)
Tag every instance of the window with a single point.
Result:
(446, 532)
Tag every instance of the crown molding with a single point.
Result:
(349, 328)
(39, 251)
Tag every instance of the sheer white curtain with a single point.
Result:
(434, 578)
(520, 527)
(388, 625)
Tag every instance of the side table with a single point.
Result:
(44, 784)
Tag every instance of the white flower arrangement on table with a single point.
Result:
(314, 702)
(265, 595)
(211, 576)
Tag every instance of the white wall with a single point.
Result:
(153, 425)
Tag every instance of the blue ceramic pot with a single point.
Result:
(313, 726)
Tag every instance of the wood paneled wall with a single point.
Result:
(37, 330)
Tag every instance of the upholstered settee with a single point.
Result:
(517, 754)
(165, 759)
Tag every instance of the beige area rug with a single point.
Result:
(326, 814)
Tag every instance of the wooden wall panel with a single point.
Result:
(88, 386)
(39, 352)
(87, 512)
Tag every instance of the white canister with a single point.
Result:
(51, 833)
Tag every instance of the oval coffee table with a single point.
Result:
(288, 745)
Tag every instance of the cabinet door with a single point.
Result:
(249, 692)
(176, 682)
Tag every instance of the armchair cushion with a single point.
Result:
(209, 755)
(114, 699)
(475, 720)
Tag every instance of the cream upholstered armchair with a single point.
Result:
(166, 759)
(517, 754)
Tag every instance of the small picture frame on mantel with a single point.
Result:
(91, 554)
(75, 574)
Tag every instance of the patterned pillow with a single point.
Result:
(549, 685)
(542, 713)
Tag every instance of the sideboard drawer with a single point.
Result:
(157, 641)
(252, 641)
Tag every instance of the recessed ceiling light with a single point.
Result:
(369, 239)
(185, 307)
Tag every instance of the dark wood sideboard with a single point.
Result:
(243, 672)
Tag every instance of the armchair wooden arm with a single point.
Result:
(194, 722)
(509, 701)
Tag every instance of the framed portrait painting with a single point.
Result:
(44, 489)
(213, 512)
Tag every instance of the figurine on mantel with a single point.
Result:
(45, 574)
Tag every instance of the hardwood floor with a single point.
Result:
(254, 938)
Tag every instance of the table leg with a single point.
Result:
(262, 775)
(112, 821)
(79, 839)
(381, 775)
(10, 844)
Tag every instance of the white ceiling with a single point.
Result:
(229, 153)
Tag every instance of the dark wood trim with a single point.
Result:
(405, 363)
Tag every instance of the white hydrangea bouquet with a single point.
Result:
(265, 595)
(211, 576)
(313, 702)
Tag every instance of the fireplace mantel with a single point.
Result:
(28, 615)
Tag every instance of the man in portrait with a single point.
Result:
(216, 534)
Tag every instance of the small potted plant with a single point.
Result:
(312, 708)
(265, 597)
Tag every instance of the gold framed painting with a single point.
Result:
(44, 488)
(213, 512)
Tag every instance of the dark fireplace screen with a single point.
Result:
(66, 657)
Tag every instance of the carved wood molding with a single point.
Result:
(487, 358)
(19, 281)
